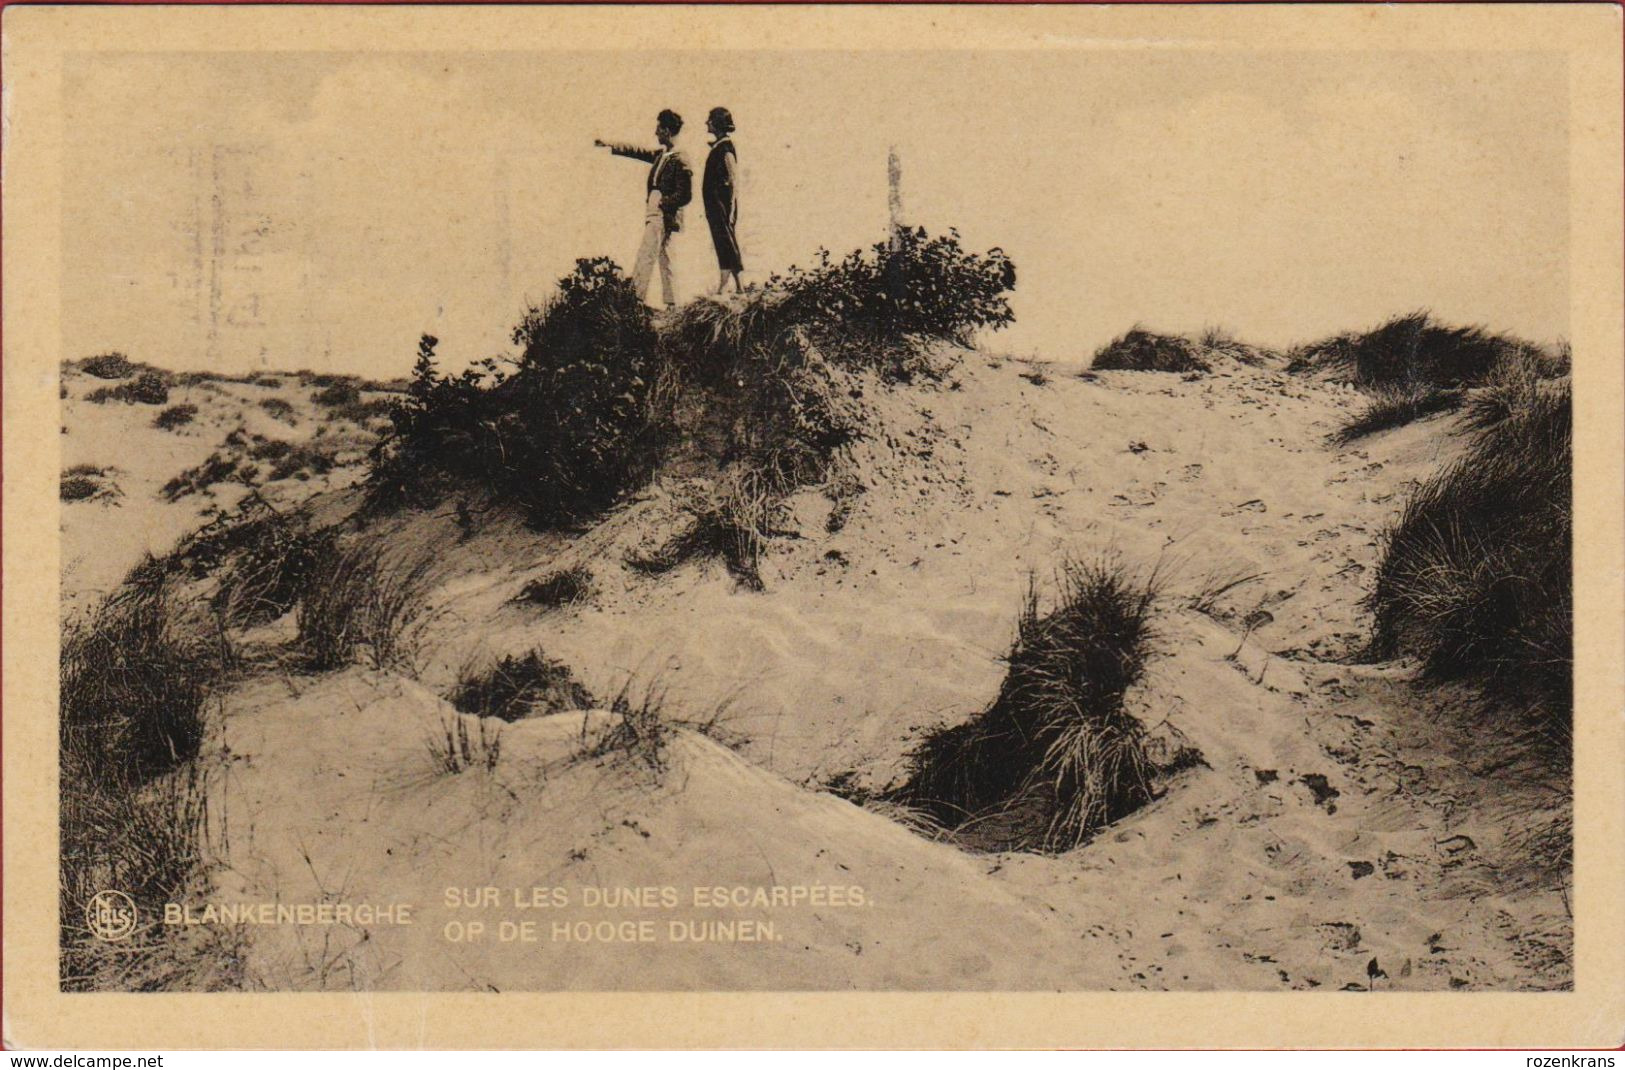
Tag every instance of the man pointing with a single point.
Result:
(670, 187)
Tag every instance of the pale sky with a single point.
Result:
(291, 210)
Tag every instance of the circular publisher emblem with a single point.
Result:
(110, 915)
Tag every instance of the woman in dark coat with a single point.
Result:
(720, 192)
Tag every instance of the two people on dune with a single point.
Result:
(670, 187)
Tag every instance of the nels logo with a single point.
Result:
(110, 915)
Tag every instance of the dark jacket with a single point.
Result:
(670, 176)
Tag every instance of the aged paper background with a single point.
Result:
(45, 46)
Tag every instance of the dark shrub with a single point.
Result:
(108, 366)
(562, 588)
(1391, 407)
(78, 488)
(565, 434)
(1475, 575)
(216, 468)
(1056, 756)
(1410, 351)
(362, 411)
(278, 408)
(149, 388)
(337, 395)
(1143, 351)
(175, 416)
(520, 687)
(869, 307)
(297, 461)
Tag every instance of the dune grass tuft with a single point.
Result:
(519, 687)
(1474, 577)
(1056, 757)
(453, 748)
(136, 674)
(1396, 406)
(275, 560)
(359, 605)
(1144, 351)
(731, 523)
(1413, 350)
(564, 587)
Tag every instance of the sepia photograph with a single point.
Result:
(1087, 508)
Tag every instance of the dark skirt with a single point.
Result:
(726, 240)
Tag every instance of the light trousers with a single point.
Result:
(652, 252)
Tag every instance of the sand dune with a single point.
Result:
(1330, 837)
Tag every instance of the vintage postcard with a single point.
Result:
(813, 526)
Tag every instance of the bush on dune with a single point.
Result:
(148, 388)
(175, 416)
(588, 411)
(1475, 576)
(563, 434)
(275, 562)
(108, 366)
(873, 307)
(562, 588)
(1056, 756)
(1144, 351)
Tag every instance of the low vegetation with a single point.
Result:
(175, 416)
(1144, 351)
(83, 482)
(1413, 350)
(215, 468)
(1475, 575)
(108, 366)
(730, 522)
(599, 393)
(279, 409)
(275, 560)
(147, 388)
(1056, 756)
(518, 687)
(556, 589)
(1396, 406)
(454, 747)
(136, 674)
(639, 730)
(361, 606)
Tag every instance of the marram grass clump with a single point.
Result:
(1056, 757)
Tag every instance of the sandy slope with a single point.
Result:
(1338, 826)
(103, 537)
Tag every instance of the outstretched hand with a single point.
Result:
(599, 142)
